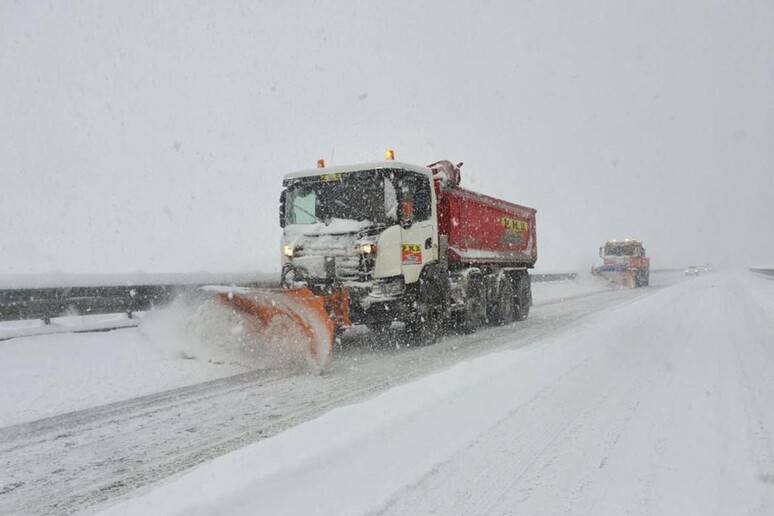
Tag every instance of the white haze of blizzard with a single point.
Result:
(147, 136)
(654, 407)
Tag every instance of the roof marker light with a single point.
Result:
(389, 155)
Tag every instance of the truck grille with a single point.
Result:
(342, 250)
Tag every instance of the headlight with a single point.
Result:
(288, 251)
(368, 248)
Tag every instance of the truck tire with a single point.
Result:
(425, 329)
(474, 315)
(521, 311)
(379, 329)
(502, 308)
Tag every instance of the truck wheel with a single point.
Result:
(381, 337)
(475, 307)
(379, 328)
(502, 311)
(426, 327)
(522, 309)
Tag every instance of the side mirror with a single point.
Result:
(407, 214)
(601, 252)
(282, 208)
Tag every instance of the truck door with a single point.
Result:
(419, 232)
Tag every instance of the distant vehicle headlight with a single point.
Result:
(288, 251)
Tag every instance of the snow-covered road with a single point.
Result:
(652, 401)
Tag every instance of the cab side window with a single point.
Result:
(416, 189)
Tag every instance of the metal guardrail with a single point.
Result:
(559, 276)
(46, 303)
(766, 273)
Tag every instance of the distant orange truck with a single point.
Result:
(624, 262)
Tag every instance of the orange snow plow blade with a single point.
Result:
(314, 318)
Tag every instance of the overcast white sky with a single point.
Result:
(152, 136)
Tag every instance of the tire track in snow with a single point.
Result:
(494, 475)
(77, 461)
(670, 419)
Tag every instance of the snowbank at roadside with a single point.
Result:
(48, 375)
(193, 340)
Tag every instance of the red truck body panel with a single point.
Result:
(483, 229)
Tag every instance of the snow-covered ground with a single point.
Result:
(599, 403)
(100, 368)
(53, 374)
(171, 348)
(95, 442)
(661, 405)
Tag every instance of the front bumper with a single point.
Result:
(381, 300)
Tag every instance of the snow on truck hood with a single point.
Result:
(335, 227)
(355, 168)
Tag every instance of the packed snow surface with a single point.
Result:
(661, 405)
(191, 341)
(184, 344)
(53, 374)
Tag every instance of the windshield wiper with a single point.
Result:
(357, 211)
(297, 207)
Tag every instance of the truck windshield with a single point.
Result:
(622, 250)
(350, 198)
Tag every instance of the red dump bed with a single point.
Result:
(483, 229)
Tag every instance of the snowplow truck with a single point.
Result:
(624, 262)
(386, 242)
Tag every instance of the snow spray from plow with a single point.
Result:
(310, 319)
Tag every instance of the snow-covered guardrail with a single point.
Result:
(45, 303)
(767, 272)
(556, 276)
(27, 298)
